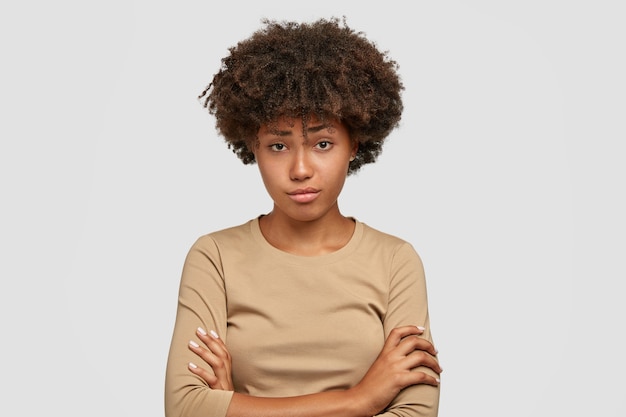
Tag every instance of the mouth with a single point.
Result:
(304, 195)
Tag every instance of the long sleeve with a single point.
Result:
(295, 325)
(201, 303)
(408, 305)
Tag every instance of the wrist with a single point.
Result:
(358, 403)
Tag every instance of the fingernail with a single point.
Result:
(193, 344)
(215, 335)
(201, 331)
(192, 365)
(438, 380)
(421, 328)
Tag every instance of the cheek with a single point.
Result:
(337, 174)
(268, 175)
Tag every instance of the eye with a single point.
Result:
(277, 147)
(324, 144)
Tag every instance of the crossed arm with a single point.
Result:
(392, 371)
(401, 380)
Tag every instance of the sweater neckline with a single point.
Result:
(325, 259)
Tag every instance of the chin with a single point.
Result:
(303, 217)
(301, 213)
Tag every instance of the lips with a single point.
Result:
(304, 195)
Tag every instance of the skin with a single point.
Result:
(289, 161)
(304, 173)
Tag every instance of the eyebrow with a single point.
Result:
(312, 129)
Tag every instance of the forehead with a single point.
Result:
(284, 126)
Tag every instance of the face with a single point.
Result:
(304, 172)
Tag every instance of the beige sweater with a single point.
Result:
(293, 324)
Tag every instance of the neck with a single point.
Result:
(307, 238)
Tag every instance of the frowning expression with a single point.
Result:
(304, 170)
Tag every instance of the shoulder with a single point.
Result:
(235, 235)
(377, 241)
(377, 236)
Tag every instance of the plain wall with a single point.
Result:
(505, 174)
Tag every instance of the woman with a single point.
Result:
(303, 311)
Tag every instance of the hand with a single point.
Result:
(392, 370)
(217, 357)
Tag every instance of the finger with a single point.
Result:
(207, 355)
(216, 355)
(208, 377)
(420, 351)
(214, 343)
(420, 358)
(220, 378)
(414, 342)
(399, 333)
(416, 377)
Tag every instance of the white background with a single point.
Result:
(506, 174)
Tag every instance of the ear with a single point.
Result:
(253, 145)
(355, 148)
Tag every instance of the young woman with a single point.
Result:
(303, 311)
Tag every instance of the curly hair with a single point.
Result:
(291, 69)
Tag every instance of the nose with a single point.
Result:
(301, 167)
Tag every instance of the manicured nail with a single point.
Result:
(193, 344)
(421, 328)
(215, 335)
(192, 365)
(201, 331)
(438, 380)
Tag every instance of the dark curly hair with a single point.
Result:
(295, 69)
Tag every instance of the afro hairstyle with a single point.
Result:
(289, 69)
